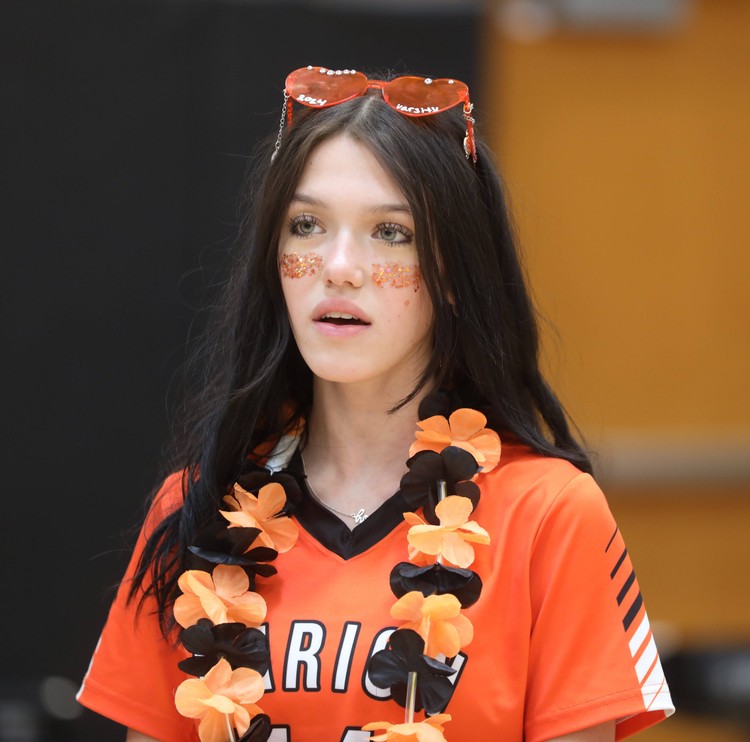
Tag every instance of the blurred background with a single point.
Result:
(622, 129)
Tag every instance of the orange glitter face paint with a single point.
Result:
(396, 275)
(294, 265)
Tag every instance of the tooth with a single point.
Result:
(338, 315)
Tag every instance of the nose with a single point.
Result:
(343, 264)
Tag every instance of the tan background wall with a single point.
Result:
(628, 161)
(627, 157)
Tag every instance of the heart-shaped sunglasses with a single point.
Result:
(319, 87)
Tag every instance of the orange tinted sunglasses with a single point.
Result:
(319, 87)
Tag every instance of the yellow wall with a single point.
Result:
(689, 545)
(628, 164)
(628, 160)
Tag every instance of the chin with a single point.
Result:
(396, 384)
(338, 374)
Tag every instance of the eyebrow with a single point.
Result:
(381, 208)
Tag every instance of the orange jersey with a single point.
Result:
(561, 637)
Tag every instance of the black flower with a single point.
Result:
(453, 465)
(437, 579)
(390, 668)
(239, 645)
(216, 544)
(259, 729)
(441, 402)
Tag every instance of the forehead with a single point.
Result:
(346, 168)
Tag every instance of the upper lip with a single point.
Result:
(339, 306)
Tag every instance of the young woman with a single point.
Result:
(378, 338)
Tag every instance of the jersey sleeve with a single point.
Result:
(133, 673)
(592, 653)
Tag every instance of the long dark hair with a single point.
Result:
(253, 384)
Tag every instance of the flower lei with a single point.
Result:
(221, 614)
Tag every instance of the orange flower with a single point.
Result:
(464, 429)
(223, 598)
(249, 511)
(221, 694)
(429, 730)
(452, 538)
(437, 619)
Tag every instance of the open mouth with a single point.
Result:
(340, 318)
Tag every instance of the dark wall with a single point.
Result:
(124, 132)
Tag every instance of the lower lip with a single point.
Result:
(329, 329)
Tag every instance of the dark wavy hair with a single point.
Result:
(252, 383)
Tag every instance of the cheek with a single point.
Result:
(396, 275)
(294, 265)
(295, 297)
(413, 315)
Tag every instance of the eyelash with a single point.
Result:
(300, 219)
(392, 226)
(296, 221)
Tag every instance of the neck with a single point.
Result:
(356, 451)
(352, 426)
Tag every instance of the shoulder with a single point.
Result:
(524, 473)
(538, 491)
(168, 498)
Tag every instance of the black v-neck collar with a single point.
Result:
(330, 531)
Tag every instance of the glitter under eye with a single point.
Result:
(294, 265)
(396, 275)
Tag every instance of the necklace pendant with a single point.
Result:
(360, 516)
